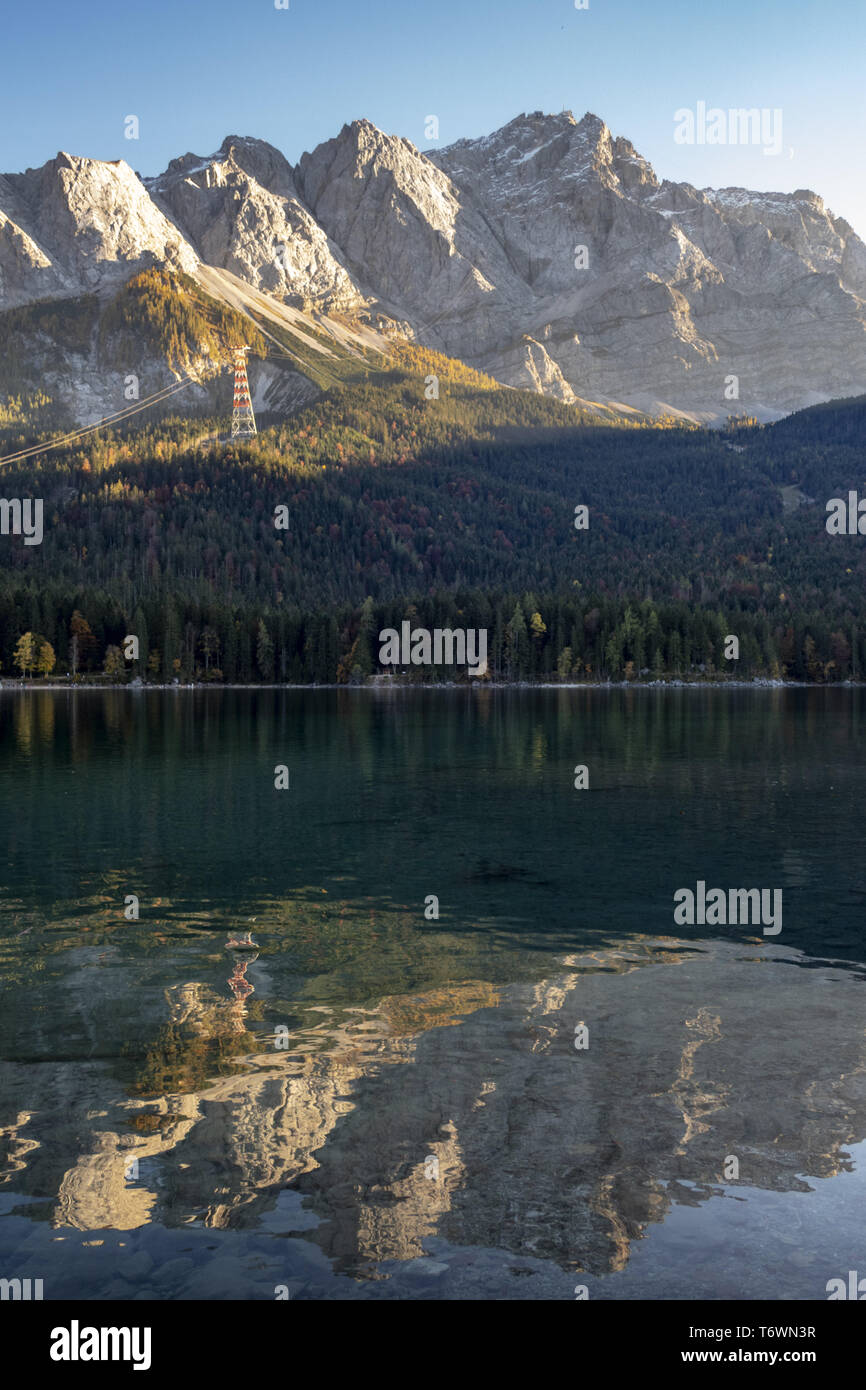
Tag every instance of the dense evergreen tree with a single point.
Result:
(456, 512)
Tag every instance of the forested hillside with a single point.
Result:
(456, 511)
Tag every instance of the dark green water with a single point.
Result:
(381, 1104)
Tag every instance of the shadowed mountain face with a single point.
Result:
(366, 1102)
(548, 254)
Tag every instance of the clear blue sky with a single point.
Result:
(194, 71)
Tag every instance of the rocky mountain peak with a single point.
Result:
(364, 163)
(360, 151)
(546, 155)
(182, 165)
(94, 223)
(240, 208)
(262, 161)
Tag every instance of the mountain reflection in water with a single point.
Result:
(360, 1102)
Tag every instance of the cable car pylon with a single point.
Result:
(243, 419)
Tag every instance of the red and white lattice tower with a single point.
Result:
(243, 419)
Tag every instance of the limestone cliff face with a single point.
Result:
(80, 225)
(681, 288)
(549, 254)
(241, 210)
(425, 252)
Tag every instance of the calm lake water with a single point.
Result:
(376, 1103)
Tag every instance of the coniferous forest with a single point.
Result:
(282, 558)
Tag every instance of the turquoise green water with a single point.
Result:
(379, 1103)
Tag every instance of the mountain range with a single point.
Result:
(548, 255)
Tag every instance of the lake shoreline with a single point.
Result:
(759, 683)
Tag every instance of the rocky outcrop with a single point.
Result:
(80, 225)
(240, 209)
(654, 293)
